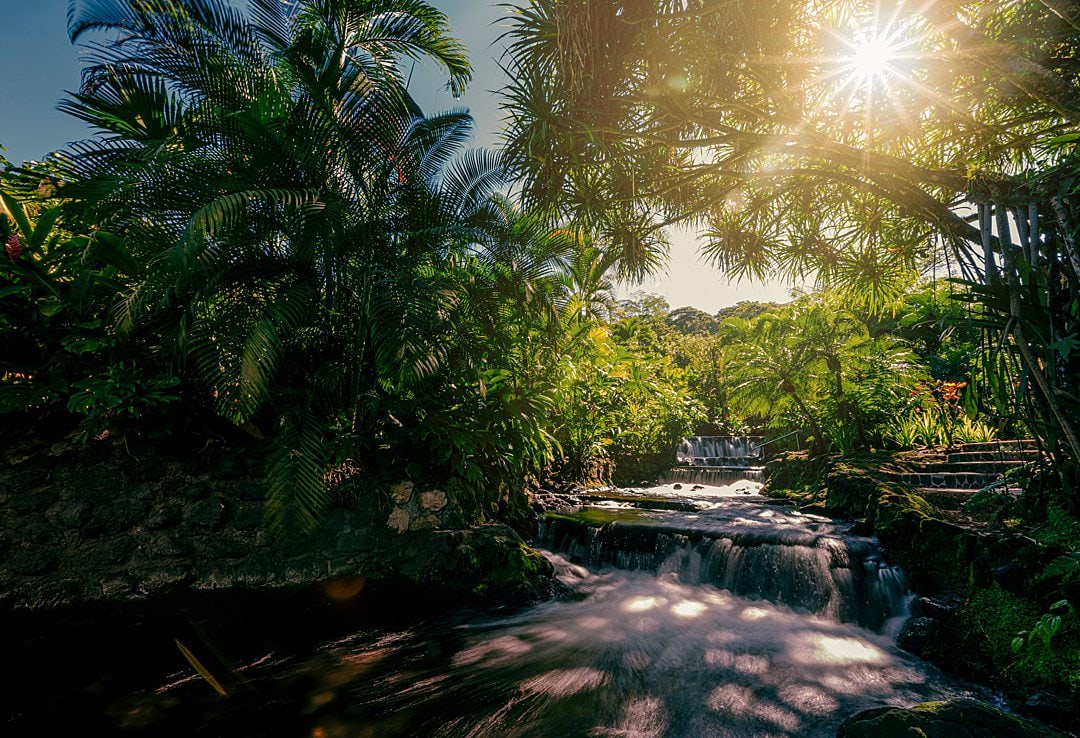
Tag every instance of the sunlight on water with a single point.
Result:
(666, 646)
(821, 649)
(688, 609)
(637, 654)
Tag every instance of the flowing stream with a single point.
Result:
(727, 617)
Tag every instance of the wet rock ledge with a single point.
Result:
(960, 718)
(115, 523)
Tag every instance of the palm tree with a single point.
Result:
(588, 283)
(831, 141)
(294, 216)
(773, 371)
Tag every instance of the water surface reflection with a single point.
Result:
(637, 655)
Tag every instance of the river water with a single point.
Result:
(729, 617)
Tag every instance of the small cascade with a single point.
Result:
(750, 550)
(717, 460)
(719, 450)
(714, 476)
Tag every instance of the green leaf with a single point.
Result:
(13, 290)
(14, 209)
(1066, 345)
(51, 306)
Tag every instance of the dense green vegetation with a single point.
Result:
(266, 241)
(267, 238)
(268, 231)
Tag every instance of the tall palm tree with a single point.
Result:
(292, 212)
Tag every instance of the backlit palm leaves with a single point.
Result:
(293, 213)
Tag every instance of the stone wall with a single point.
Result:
(111, 522)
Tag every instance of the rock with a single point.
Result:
(696, 487)
(402, 492)
(20, 485)
(163, 516)
(114, 517)
(221, 547)
(117, 588)
(1010, 577)
(427, 522)
(676, 486)
(1051, 708)
(204, 516)
(918, 635)
(191, 490)
(70, 513)
(399, 519)
(353, 541)
(34, 562)
(164, 547)
(249, 491)
(35, 531)
(247, 516)
(433, 499)
(862, 527)
(959, 718)
(163, 580)
(105, 552)
(942, 606)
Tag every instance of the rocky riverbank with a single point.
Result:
(981, 586)
(115, 523)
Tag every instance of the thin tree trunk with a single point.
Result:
(1020, 339)
(815, 430)
(1068, 239)
(1033, 225)
(1020, 216)
(985, 226)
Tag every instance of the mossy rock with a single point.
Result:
(960, 718)
(982, 643)
(487, 565)
(793, 475)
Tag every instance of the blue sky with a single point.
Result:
(38, 64)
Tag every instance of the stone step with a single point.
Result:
(947, 499)
(946, 480)
(963, 457)
(951, 499)
(1022, 444)
(973, 467)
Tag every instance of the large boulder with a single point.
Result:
(959, 718)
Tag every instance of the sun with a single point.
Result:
(872, 58)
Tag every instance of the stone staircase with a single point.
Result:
(967, 469)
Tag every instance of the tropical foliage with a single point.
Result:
(267, 233)
(848, 143)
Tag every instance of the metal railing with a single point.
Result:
(774, 440)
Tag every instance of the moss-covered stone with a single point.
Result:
(996, 573)
(793, 475)
(982, 638)
(961, 718)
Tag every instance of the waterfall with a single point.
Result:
(718, 450)
(843, 578)
(717, 460)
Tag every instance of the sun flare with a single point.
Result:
(871, 59)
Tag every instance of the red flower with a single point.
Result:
(13, 247)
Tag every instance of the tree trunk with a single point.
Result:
(1033, 227)
(1068, 237)
(820, 444)
(985, 230)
